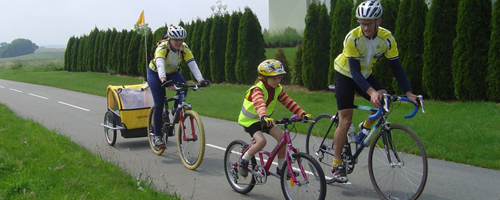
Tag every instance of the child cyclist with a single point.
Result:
(258, 107)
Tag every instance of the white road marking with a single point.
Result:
(73, 106)
(2, 87)
(42, 97)
(15, 90)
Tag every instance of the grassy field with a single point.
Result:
(463, 132)
(36, 163)
(289, 53)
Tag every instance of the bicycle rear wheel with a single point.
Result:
(110, 134)
(399, 170)
(232, 158)
(151, 134)
(310, 180)
(321, 150)
(191, 139)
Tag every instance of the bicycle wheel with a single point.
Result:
(191, 139)
(110, 134)
(232, 158)
(151, 134)
(399, 170)
(322, 152)
(310, 182)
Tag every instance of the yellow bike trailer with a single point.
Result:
(128, 109)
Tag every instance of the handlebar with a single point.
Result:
(292, 119)
(181, 86)
(392, 98)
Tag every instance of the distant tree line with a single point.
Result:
(448, 48)
(17, 47)
(227, 48)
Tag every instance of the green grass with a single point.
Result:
(289, 53)
(43, 55)
(462, 132)
(36, 163)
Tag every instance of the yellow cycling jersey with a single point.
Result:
(366, 50)
(172, 58)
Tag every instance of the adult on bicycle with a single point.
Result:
(258, 107)
(363, 46)
(170, 52)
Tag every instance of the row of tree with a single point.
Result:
(449, 49)
(444, 47)
(227, 48)
(17, 47)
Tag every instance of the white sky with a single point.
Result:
(53, 22)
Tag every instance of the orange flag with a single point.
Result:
(141, 19)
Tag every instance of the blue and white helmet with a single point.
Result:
(369, 10)
(176, 32)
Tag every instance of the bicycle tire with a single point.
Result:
(232, 158)
(322, 153)
(311, 183)
(190, 132)
(405, 179)
(151, 134)
(110, 134)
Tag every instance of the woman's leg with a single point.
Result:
(158, 98)
(177, 77)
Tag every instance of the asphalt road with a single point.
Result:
(79, 116)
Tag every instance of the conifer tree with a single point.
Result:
(316, 47)
(204, 63)
(80, 67)
(280, 55)
(251, 50)
(437, 78)
(470, 55)
(218, 38)
(111, 58)
(232, 47)
(67, 54)
(354, 20)
(340, 27)
(493, 77)
(296, 70)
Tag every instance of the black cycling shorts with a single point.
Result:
(345, 88)
(256, 127)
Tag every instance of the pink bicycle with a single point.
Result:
(301, 175)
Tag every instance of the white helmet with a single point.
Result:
(176, 32)
(369, 10)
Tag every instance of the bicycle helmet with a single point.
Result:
(271, 67)
(369, 10)
(175, 32)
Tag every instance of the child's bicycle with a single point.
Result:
(301, 175)
(397, 162)
(190, 132)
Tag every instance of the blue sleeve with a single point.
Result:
(355, 68)
(399, 74)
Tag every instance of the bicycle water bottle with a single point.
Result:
(351, 135)
(362, 133)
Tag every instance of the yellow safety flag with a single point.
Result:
(141, 19)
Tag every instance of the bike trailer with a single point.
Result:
(128, 109)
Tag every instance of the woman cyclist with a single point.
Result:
(170, 52)
(258, 107)
(363, 46)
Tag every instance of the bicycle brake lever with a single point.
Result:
(386, 105)
(420, 99)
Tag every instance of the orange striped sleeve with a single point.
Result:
(290, 104)
(257, 98)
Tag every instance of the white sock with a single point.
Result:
(246, 156)
(280, 162)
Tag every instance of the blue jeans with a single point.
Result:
(159, 96)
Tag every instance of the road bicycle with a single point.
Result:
(301, 175)
(189, 128)
(397, 162)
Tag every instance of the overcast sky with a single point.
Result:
(53, 22)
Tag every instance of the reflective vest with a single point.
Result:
(248, 114)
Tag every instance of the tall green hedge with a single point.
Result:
(251, 50)
(470, 55)
(316, 48)
(340, 27)
(218, 39)
(204, 58)
(296, 69)
(280, 55)
(232, 47)
(493, 78)
(437, 78)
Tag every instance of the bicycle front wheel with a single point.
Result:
(191, 139)
(151, 134)
(397, 163)
(321, 150)
(232, 158)
(310, 180)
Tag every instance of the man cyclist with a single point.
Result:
(170, 52)
(363, 46)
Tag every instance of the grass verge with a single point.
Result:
(36, 163)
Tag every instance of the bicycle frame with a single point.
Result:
(271, 155)
(179, 112)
